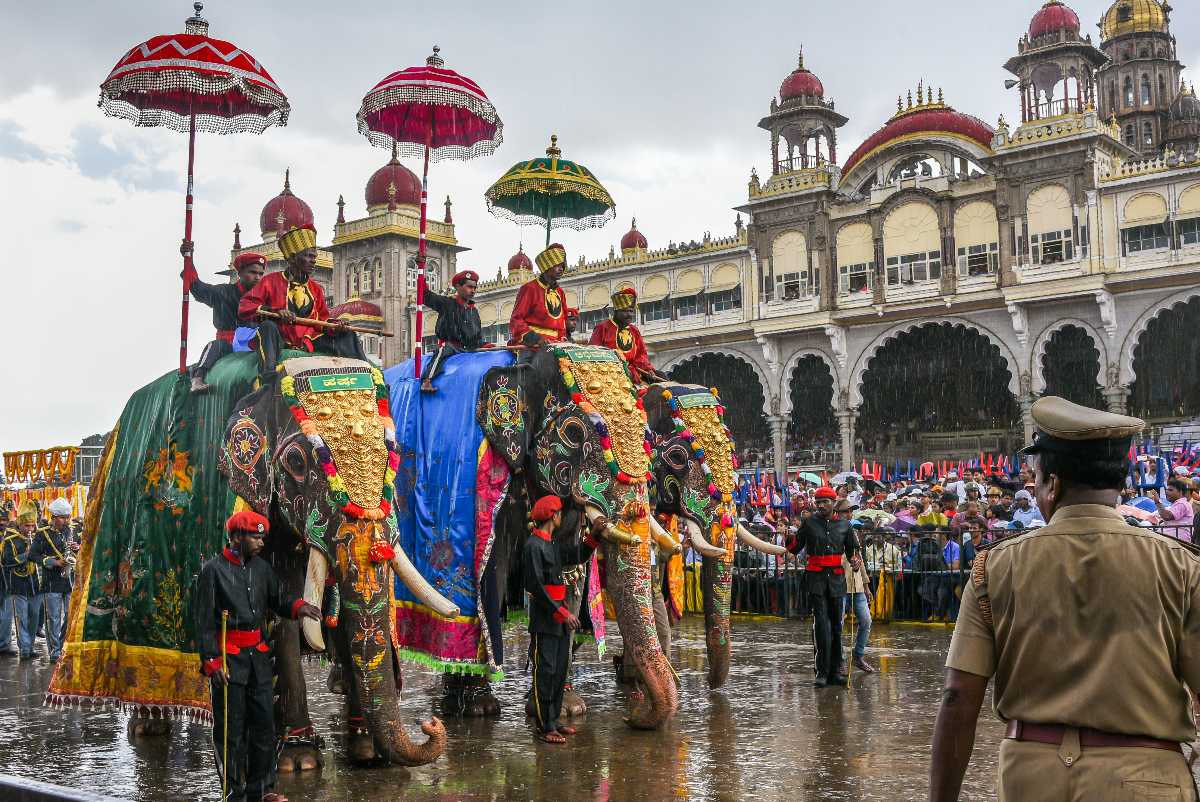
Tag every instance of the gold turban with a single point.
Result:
(27, 513)
(625, 299)
(297, 239)
(551, 257)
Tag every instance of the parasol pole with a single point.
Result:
(188, 266)
(421, 254)
(549, 217)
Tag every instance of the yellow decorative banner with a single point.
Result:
(76, 494)
(47, 464)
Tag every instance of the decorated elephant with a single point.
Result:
(694, 475)
(583, 437)
(314, 451)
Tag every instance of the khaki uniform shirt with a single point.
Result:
(1095, 623)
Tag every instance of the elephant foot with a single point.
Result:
(301, 751)
(334, 682)
(572, 704)
(140, 727)
(469, 697)
(360, 745)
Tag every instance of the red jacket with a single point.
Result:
(541, 310)
(629, 342)
(276, 292)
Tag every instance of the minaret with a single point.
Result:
(341, 204)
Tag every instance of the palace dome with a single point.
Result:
(1186, 106)
(930, 119)
(800, 83)
(634, 239)
(284, 211)
(1054, 16)
(408, 186)
(519, 261)
(1134, 16)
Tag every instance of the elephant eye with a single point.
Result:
(295, 463)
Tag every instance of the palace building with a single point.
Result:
(915, 298)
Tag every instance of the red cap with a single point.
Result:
(545, 508)
(249, 258)
(572, 312)
(464, 275)
(825, 492)
(247, 521)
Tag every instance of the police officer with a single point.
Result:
(1091, 628)
(52, 552)
(550, 622)
(825, 540)
(246, 588)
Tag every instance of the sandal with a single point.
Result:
(551, 738)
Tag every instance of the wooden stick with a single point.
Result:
(325, 324)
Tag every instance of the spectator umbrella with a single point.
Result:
(435, 113)
(191, 82)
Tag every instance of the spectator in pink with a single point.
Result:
(1177, 513)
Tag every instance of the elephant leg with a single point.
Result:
(360, 744)
(469, 696)
(141, 725)
(301, 747)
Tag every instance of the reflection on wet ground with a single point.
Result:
(768, 735)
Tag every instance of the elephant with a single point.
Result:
(694, 475)
(315, 452)
(569, 423)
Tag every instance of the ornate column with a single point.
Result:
(1116, 395)
(846, 417)
(778, 425)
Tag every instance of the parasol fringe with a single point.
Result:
(261, 108)
(581, 224)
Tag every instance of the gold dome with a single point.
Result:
(1134, 16)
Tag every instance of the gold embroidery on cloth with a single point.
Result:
(606, 385)
(625, 340)
(299, 297)
(553, 303)
(708, 431)
(349, 423)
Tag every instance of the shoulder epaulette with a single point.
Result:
(979, 581)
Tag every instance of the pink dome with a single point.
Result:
(519, 261)
(801, 83)
(408, 186)
(1054, 16)
(295, 211)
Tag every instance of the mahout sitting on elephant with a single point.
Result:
(313, 450)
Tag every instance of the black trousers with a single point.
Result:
(252, 745)
(827, 631)
(208, 357)
(434, 366)
(549, 655)
(270, 344)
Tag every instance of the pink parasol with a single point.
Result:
(436, 113)
(188, 82)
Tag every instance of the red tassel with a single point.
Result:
(381, 551)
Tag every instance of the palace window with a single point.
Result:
(687, 307)
(725, 301)
(1146, 238)
(914, 268)
(410, 275)
(1128, 91)
(1129, 137)
(979, 260)
(654, 311)
(1051, 247)
(855, 278)
(794, 286)
(1146, 99)
(378, 286)
(589, 320)
(355, 283)
(1189, 231)
(1147, 134)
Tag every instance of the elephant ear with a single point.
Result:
(246, 452)
(503, 415)
(559, 451)
(671, 462)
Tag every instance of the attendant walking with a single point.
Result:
(21, 577)
(50, 551)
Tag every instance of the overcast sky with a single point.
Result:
(660, 100)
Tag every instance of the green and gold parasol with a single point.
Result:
(552, 192)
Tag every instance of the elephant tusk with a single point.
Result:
(421, 588)
(701, 545)
(609, 532)
(663, 538)
(314, 594)
(759, 545)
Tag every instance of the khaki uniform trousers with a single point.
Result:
(1032, 772)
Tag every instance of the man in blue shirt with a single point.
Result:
(1024, 510)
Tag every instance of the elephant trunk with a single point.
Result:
(372, 666)
(628, 585)
(716, 582)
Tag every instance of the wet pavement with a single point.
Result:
(768, 735)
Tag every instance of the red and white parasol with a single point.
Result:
(436, 113)
(189, 82)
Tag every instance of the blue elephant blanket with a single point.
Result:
(448, 490)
